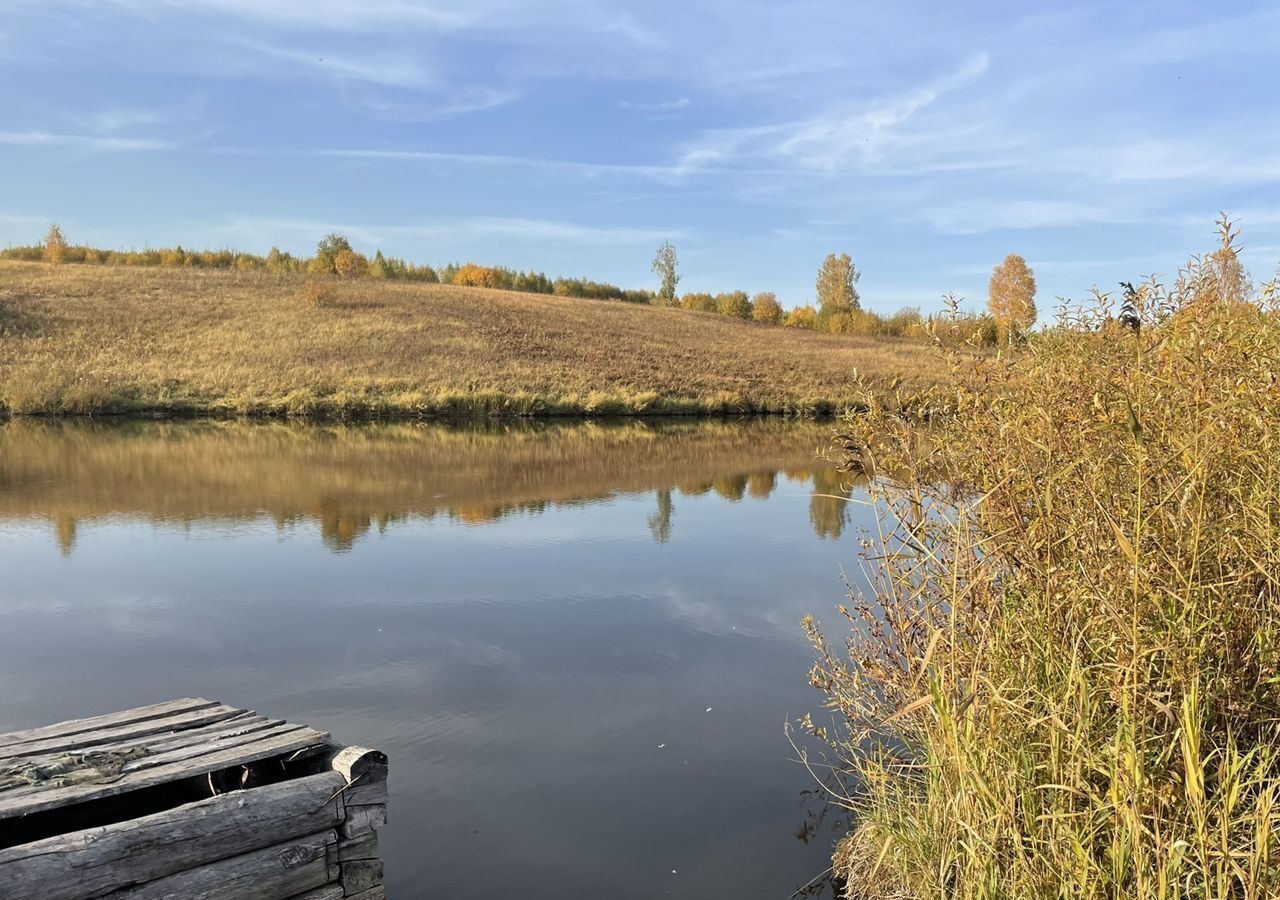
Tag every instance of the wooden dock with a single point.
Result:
(188, 799)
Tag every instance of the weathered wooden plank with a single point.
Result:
(124, 717)
(360, 875)
(362, 821)
(23, 801)
(366, 793)
(374, 893)
(328, 892)
(96, 861)
(135, 763)
(275, 873)
(358, 848)
(133, 733)
(359, 762)
(244, 724)
(212, 745)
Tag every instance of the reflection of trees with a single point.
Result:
(339, 530)
(660, 521)
(732, 488)
(66, 526)
(828, 506)
(694, 488)
(761, 484)
(348, 480)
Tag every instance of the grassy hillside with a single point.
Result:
(77, 339)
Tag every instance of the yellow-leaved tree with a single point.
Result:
(1011, 296)
(765, 308)
(54, 244)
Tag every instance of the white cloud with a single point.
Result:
(978, 216)
(116, 119)
(838, 138)
(1249, 157)
(656, 106)
(589, 169)
(492, 16)
(389, 70)
(262, 231)
(81, 141)
(427, 106)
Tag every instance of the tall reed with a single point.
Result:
(1065, 679)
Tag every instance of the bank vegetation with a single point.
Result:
(1064, 677)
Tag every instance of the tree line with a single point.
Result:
(837, 308)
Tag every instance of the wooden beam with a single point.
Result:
(166, 767)
(96, 861)
(274, 873)
(328, 892)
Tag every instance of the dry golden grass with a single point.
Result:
(1065, 679)
(79, 339)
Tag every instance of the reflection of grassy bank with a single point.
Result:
(351, 478)
(80, 339)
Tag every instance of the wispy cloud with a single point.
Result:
(442, 16)
(979, 216)
(82, 141)
(117, 119)
(1252, 156)
(837, 138)
(268, 230)
(390, 70)
(589, 169)
(657, 105)
(428, 106)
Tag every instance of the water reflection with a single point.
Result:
(532, 621)
(352, 480)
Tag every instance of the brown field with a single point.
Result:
(79, 340)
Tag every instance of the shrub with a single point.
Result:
(698, 302)
(1065, 680)
(581, 287)
(765, 308)
(802, 317)
(904, 323)
(472, 275)
(327, 251)
(734, 303)
(319, 293)
(349, 264)
(55, 245)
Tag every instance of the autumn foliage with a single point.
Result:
(1011, 295)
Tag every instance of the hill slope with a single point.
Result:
(79, 339)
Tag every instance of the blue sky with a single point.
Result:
(925, 139)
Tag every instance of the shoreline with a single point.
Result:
(322, 412)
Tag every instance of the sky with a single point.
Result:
(927, 140)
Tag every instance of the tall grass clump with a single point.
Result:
(1064, 680)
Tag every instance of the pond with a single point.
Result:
(578, 642)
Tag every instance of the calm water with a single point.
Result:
(578, 643)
